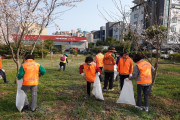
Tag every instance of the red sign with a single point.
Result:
(52, 37)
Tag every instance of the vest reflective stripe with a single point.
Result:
(99, 60)
(0, 62)
(145, 72)
(90, 71)
(109, 61)
(125, 66)
(31, 76)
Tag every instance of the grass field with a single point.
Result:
(61, 96)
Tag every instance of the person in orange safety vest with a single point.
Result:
(30, 72)
(109, 62)
(99, 62)
(143, 74)
(2, 73)
(90, 68)
(125, 67)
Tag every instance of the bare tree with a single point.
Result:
(21, 15)
(154, 34)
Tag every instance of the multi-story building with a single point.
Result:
(33, 29)
(160, 12)
(174, 30)
(62, 33)
(137, 18)
(102, 33)
(109, 29)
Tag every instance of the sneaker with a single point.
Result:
(33, 110)
(146, 109)
(105, 90)
(140, 108)
(111, 89)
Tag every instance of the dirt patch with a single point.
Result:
(174, 73)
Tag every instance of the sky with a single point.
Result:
(86, 15)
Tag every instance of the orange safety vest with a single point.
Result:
(125, 66)
(90, 71)
(99, 60)
(109, 61)
(145, 72)
(31, 76)
(0, 62)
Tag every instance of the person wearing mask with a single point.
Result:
(143, 75)
(109, 62)
(90, 69)
(125, 67)
(30, 72)
(63, 61)
(2, 73)
(99, 62)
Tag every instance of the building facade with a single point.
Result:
(160, 12)
(80, 43)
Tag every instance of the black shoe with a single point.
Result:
(6, 81)
(26, 107)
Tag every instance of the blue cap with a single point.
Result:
(65, 54)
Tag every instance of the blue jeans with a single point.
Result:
(146, 90)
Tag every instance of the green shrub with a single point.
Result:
(74, 52)
(175, 56)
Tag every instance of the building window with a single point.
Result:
(135, 23)
(171, 39)
(173, 29)
(135, 16)
(174, 20)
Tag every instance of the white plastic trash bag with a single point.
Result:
(127, 93)
(20, 96)
(115, 71)
(97, 91)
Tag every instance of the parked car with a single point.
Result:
(164, 55)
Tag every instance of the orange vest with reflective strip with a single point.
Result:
(0, 62)
(31, 76)
(109, 61)
(99, 60)
(90, 71)
(125, 66)
(145, 72)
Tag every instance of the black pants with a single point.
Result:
(109, 77)
(100, 75)
(2, 73)
(88, 88)
(145, 90)
(64, 66)
(122, 77)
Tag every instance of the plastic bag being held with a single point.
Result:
(127, 93)
(97, 91)
(115, 71)
(20, 96)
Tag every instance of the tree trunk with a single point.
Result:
(17, 68)
(42, 48)
(154, 75)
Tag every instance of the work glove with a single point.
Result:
(82, 74)
(130, 75)
(99, 73)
